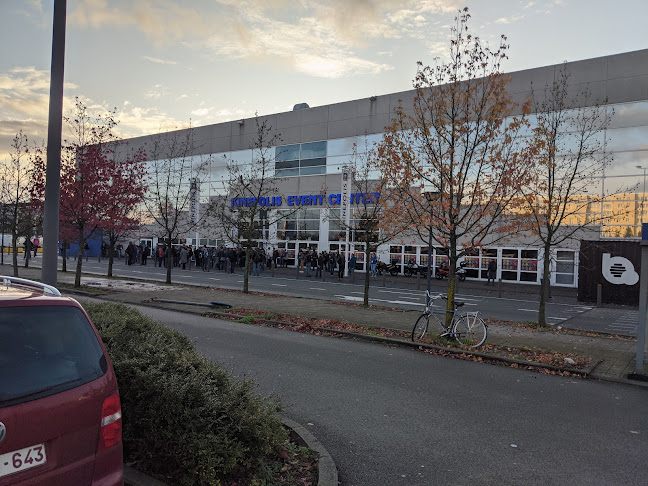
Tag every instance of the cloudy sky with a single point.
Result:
(165, 63)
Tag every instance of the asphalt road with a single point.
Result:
(398, 417)
(401, 292)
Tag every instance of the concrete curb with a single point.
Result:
(399, 342)
(133, 477)
(327, 472)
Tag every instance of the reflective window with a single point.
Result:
(304, 159)
(287, 152)
(340, 146)
(313, 150)
(630, 114)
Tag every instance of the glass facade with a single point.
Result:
(618, 196)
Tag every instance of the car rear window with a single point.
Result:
(46, 350)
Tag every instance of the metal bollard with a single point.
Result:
(599, 294)
(499, 288)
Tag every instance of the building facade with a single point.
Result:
(316, 143)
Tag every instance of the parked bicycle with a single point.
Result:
(467, 328)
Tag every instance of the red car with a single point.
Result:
(60, 414)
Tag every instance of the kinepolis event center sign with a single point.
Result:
(615, 265)
(306, 200)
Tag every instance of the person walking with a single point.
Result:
(492, 272)
(373, 262)
(340, 263)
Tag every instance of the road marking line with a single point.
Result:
(212, 278)
(313, 288)
(279, 285)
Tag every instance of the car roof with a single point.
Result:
(18, 290)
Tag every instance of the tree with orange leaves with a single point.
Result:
(459, 145)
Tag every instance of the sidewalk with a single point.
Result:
(616, 357)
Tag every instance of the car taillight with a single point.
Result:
(111, 423)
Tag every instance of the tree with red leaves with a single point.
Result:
(98, 192)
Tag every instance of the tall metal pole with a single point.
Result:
(55, 127)
(642, 322)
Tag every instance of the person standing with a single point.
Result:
(36, 244)
(257, 258)
(27, 248)
(373, 263)
(232, 259)
(333, 257)
(308, 261)
(352, 264)
(492, 272)
(340, 263)
(130, 253)
(184, 257)
(321, 261)
(144, 253)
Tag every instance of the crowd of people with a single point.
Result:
(308, 261)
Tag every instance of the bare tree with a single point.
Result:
(458, 142)
(249, 206)
(16, 186)
(570, 158)
(172, 169)
(369, 201)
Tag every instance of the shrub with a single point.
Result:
(184, 418)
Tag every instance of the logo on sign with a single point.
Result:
(619, 270)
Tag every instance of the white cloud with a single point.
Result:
(323, 38)
(157, 60)
(200, 112)
(156, 92)
(24, 103)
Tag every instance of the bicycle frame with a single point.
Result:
(467, 328)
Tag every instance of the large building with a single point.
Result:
(317, 142)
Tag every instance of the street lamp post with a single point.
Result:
(431, 197)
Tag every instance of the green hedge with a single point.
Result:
(184, 417)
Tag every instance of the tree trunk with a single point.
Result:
(15, 255)
(452, 283)
(544, 285)
(169, 260)
(246, 272)
(64, 249)
(77, 275)
(365, 302)
(111, 253)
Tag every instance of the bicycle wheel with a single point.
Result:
(470, 330)
(420, 328)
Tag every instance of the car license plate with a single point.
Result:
(22, 459)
